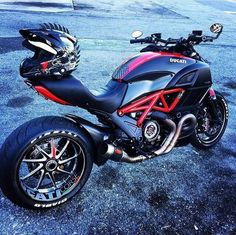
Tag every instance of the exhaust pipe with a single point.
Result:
(189, 117)
(118, 155)
(173, 137)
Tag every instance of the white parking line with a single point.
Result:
(230, 12)
(231, 1)
(40, 5)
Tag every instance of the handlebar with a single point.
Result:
(208, 39)
(154, 40)
(185, 46)
(132, 41)
(192, 39)
(142, 40)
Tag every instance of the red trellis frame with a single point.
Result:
(148, 103)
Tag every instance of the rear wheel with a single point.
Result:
(45, 162)
(210, 127)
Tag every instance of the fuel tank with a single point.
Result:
(151, 71)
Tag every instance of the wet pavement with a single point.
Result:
(185, 192)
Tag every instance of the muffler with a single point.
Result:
(116, 154)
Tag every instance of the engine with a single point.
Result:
(154, 133)
(151, 131)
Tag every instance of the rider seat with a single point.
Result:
(71, 90)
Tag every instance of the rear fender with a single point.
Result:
(96, 134)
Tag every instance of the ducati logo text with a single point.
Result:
(181, 61)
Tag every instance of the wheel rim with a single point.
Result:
(208, 132)
(51, 167)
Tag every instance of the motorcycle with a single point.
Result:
(156, 100)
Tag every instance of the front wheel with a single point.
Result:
(45, 162)
(211, 124)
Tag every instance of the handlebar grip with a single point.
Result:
(137, 40)
(207, 39)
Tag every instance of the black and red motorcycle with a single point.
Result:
(156, 100)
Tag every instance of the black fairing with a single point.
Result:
(166, 71)
(75, 93)
(195, 79)
(196, 75)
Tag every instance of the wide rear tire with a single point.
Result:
(45, 162)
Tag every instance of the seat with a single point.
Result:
(74, 92)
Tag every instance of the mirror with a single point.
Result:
(216, 28)
(137, 34)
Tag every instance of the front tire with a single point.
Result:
(209, 131)
(45, 162)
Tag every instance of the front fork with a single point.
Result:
(213, 104)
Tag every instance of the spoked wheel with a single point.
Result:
(210, 127)
(50, 168)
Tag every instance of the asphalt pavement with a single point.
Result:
(185, 192)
